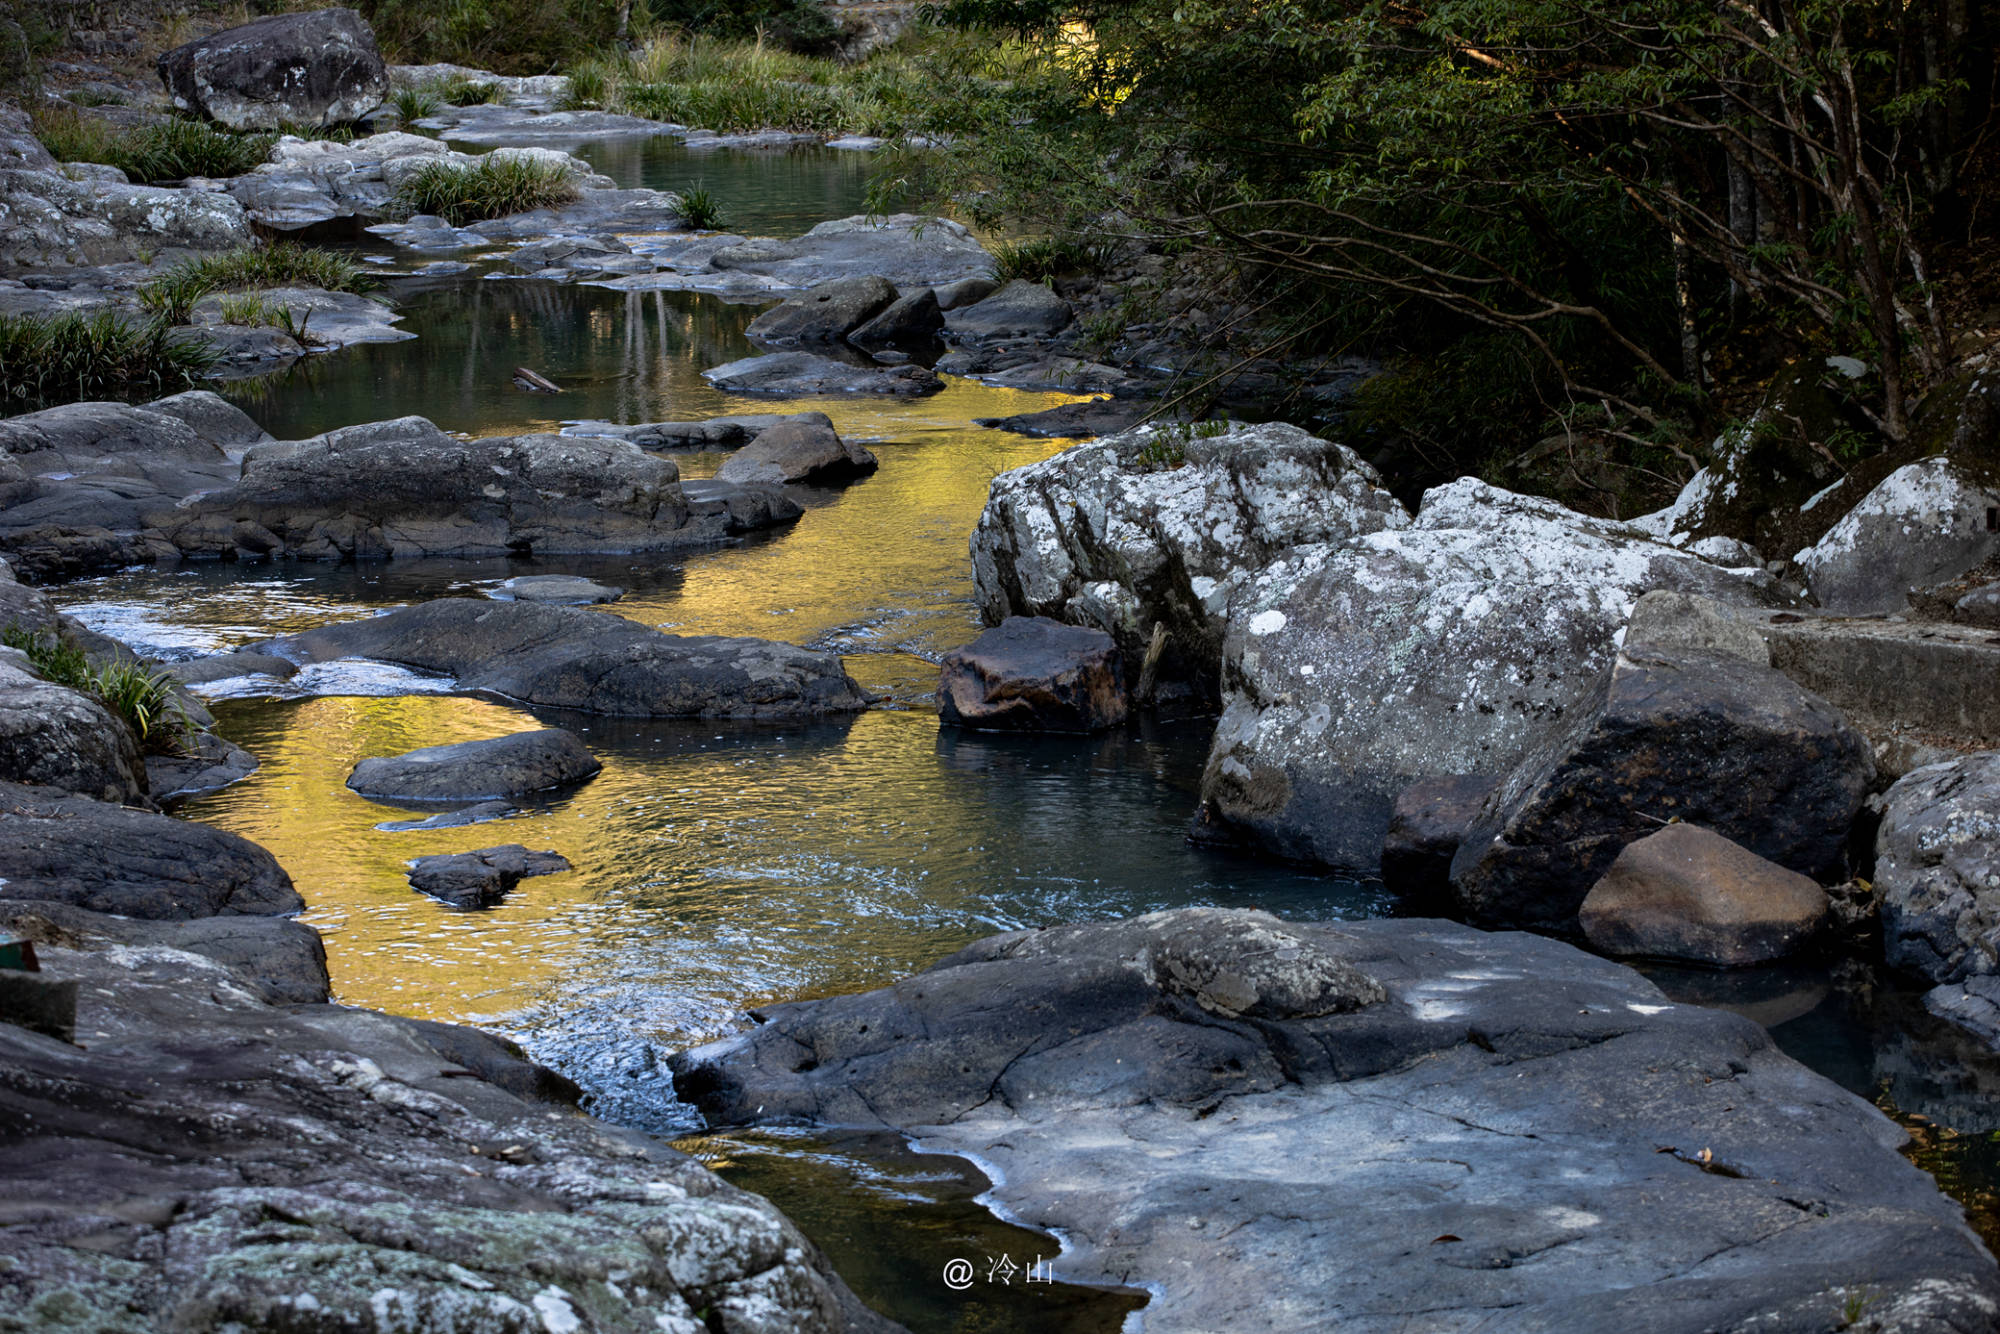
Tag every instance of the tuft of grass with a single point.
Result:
(732, 85)
(143, 700)
(492, 187)
(249, 309)
(592, 86)
(45, 360)
(280, 264)
(91, 97)
(459, 91)
(699, 208)
(413, 104)
(1042, 259)
(172, 150)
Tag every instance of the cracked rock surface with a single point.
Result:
(1378, 1126)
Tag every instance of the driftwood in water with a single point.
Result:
(534, 383)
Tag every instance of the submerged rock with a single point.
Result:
(567, 589)
(593, 661)
(1937, 867)
(481, 879)
(1376, 1125)
(1032, 674)
(320, 67)
(510, 766)
(798, 452)
(793, 373)
(1688, 893)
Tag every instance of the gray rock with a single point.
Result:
(53, 220)
(1669, 734)
(1980, 607)
(1891, 677)
(20, 150)
(1688, 893)
(52, 736)
(205, 763)
(212, 418)
(1937, 868)
(1021, 309)
(405, 1160)
(793, 373)
(1927, 523)
(1429, 821)
(1661, 619)
(1157, 526)
(481, 879)
(480, 814)
(906, 249)
(593, 661)
(914, 317)
(320, 67)
(1377, 1126)
(708, 433)
(741, 507)
(328, 320)
(280, 959)
(1100, 416)
(511, 766)
(113, 859)
(964, 292)
(824, 314)
(228, 666)
(1973, 1005)
(1445, 647)
(566, 589)
(1032, 674)
(798, 452)
(1014, 366)
(579, 253)
(245, 348)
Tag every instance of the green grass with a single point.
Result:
(700, 210)
(413, 104)
(144, 700)
(173, 294)
(1044, 258)
(169, 151)
(45, 360)
(490, 188)
(460, 91)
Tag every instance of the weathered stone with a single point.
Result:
(1671, 734)
(1688, 893)
(53, 220)
(914, 317)
(70, 849)
(964, 292)
(510, 766)
(567, 589)
(52, 736)
(593, 661)
(1926, 523)
(1100, 416)
(1158, 526)
(825, 314)
(1376, 1126)
(793, 373)
(481, 879)
(1021, 309)
(906, 249)
(1426, 825)
(1891, 676)
(320, 67)
(708, 433)
(1661, 619)
(1937, 867)
(227, 666)
(204, 763)
(798, 452)
(279, 958)
(1980, 607)
(1448, 646)
(1032, 674)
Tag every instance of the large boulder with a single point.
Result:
(114, 859)
(1158, 526)
(54, 220)
(907, 250)
(1688, 893)
(1445, 647)
(1937, 868)
(320, 67)
(1669, 734)
(1377, 1125)
(514, 765)
(1032, 674)
(826, 314)
(913, 318)
(52, 736)
(794, 451)
(481, 878)
(795, 373)
(280, 959)
(1021, 309)
(592, 661)
(1927, 523)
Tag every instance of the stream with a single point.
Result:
(721, 866)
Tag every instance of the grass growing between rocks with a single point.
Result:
(700, 209)
(144, 700)
(173, 294)
(169, 151)
(490, 188)
(45, 360)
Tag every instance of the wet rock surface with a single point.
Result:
(481, 879)
(1032, 674)
(52, 736)
(1688, 893)
(793, 373)
(591, 661)
(1937, 865)
(791, 452)
(317, 68)
(508, 766)
(281, 960)
(1021, 309)
(825, 314)
(1202, 1101)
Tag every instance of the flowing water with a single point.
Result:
(721, 866)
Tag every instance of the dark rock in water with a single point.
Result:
(316, 68)
(481, 879)
(1672, 734)
(1973, 1004)
(964, 292)
(566, 589)
(206, 763)
(797, 452)
(1925, 524)
(105, 465)
(593, 661)
(824, 314)
(914, 317)
(240, 1165)
(514, 765)
(741, 507)
(52, 736)
(792, 373)
(1032, 674)
(1937, 867)
(1428, 822)
(113, 859)
(228, 666)
(1100, 416)
(279, 958)
(479, 814)
(707, 433)
(1021, 309)
(1689, 893)
(1375, 1126)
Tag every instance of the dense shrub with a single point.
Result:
(171, 150)
(173, 294)
(492, 187)
(46, 360)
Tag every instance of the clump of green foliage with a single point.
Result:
(506, 36)
(699, 208)
(413, 104)
(460, 91)
(492, 187)
(171, 150)
(173, 294)
(1041, 259)
(52, 359)
(143, 700)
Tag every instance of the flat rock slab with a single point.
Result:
(1689, 893)
(906, 249)
(1378, 1126)
(1892, 675)
(1033, 674)
(481, 879)
(798, 452)
(1100, 416)
(565, 589)
(488, 769)
(707, 433)
(793, 373)
(478, 814)
(592, 661)
(281, 959)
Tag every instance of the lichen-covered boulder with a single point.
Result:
(1443, 647)
(1160, 526)
(48, 220)
(53, 736)
(1937, 866)
(320, 67)
(1927, 523)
